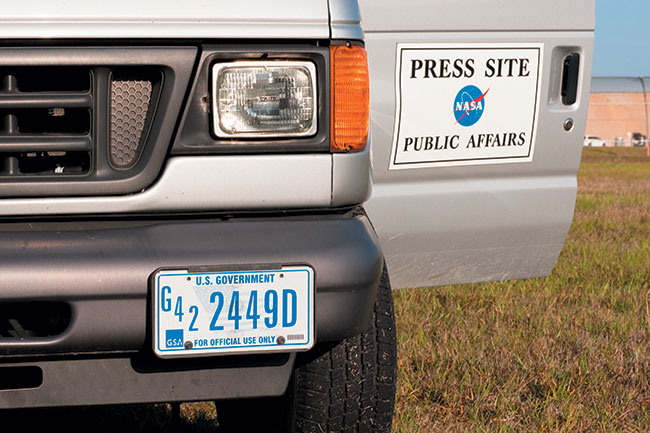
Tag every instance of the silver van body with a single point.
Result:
(448, 225)
(82, 250)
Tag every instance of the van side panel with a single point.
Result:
(469, 223)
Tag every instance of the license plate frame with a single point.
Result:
(192, 327)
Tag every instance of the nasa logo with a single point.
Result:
(469, 105)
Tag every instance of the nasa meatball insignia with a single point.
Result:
(469, 105)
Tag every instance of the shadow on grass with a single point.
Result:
(141, 418)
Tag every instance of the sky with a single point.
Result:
(622, 45)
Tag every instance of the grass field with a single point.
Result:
(566, 353)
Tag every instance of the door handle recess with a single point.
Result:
(570, 76)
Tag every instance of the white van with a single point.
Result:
(205, 201)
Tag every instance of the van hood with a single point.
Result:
(245, 19)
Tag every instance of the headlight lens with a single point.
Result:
(264, 99)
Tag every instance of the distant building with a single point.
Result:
(618, 111)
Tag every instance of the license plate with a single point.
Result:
(233, 312)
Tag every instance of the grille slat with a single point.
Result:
(47, 121)
(39, 143)
(44, 100)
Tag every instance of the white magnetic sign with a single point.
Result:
(465, 104)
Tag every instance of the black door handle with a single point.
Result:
(570, 75)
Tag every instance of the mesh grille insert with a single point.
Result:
(130, 116)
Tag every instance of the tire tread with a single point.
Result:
(348, 387)
(356, 377)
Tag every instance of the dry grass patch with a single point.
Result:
(564, 353)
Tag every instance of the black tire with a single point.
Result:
(343, 387)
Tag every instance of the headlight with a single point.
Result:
(264, 99)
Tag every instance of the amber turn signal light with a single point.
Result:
(350, 89)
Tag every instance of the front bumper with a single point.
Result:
(101, 270)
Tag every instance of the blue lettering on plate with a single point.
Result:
(174, 338)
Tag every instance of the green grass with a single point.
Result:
(564, 353)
